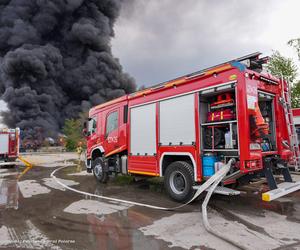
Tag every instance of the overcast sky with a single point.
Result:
(158, 40)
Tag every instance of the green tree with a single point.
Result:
(295, 43)
(73, 131)
(296, 95)
(281, 66)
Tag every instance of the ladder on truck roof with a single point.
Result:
(286, 103)
(251, 60)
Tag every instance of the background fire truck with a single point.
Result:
(9, 144)
(186, 129)
(296, 115)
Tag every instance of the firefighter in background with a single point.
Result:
(79, 150)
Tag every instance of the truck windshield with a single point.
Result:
(92, 125)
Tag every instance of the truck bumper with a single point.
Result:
(88, 164)
(284, 188)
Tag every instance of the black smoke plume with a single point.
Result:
(56, 61)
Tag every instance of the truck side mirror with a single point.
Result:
(85, 132)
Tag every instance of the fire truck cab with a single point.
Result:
(186, 129)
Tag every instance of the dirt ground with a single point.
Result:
(38, 213)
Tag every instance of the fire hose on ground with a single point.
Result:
(27, 164)
(211, 183)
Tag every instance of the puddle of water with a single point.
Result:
(119, 230)
(94, 207)
(275, 225)
(9, 193)
(30, 188)
(30, 237)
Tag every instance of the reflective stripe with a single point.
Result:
(141, 172)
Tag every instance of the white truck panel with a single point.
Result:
(143, 130)
(4, 143)
(177, 120)
(297, 120)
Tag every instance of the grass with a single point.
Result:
(124, 179)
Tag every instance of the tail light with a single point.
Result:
(252, 164)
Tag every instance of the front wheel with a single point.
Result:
(99, 170)
(179, 180)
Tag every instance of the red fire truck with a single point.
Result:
(187, 128)
(296, 115)
(9, 144)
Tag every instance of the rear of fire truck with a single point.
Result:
(250, 120)
(268, 138)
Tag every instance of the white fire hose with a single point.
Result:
(212, 182)
(207, 226)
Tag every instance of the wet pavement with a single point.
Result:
(37, 213)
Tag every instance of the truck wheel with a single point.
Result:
(99, 170)
(179, 180)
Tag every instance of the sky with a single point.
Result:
(159, 40)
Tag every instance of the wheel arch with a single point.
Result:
(168, 157)
(97, 152)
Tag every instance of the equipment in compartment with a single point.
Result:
(219, 165)
(223, 100)
(221, 107)
(259, 128)
(208, 164)
(220, 137)
(266, 145)
(228, 139)
(262, 123)
(214, 137)
(220, 115)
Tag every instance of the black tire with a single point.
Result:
(179, 181)
(99, 170)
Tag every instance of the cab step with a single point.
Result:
(282, 189)
(222, 190)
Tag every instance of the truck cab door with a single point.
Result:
(111, 134)
(92, 132)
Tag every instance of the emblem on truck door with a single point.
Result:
(112, 139)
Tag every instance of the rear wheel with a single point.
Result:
(99, 170)
(179, 180)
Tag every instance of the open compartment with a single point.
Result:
(266, 106)
(218, 121)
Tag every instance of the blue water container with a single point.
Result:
(208, 164)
